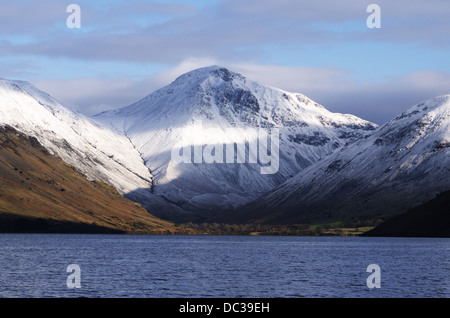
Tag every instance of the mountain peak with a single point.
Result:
(207, 71)
(230, 108)
(200, 75)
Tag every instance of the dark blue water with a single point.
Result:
(34, 265)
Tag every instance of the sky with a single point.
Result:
(324, 49)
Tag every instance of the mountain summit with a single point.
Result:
(212, 111)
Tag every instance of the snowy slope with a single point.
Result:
(97, 152)
(214, 106)
(402, 164)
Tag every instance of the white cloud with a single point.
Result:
(331, 87)
(90, 95)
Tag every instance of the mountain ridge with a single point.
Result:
(402, 164)
(96, 151)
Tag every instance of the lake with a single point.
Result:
(129, 266)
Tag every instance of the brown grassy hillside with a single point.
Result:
(41, 193)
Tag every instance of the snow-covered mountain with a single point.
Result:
(211, 112)
(401, 165)
(98, 152)
(179, 150)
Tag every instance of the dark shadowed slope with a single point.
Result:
(431, 219)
